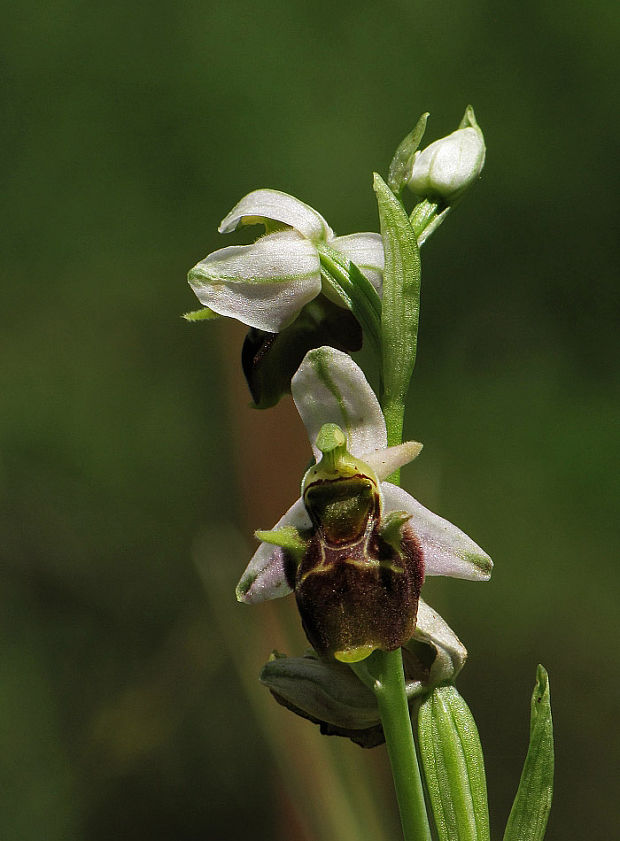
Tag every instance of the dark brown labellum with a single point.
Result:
(355, 591)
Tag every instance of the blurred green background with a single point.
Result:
(129, 130)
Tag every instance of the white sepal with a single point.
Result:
(451, 653)
(263, 285)
(277, 207)
(330, 388)
(445, 548)
(264, 577)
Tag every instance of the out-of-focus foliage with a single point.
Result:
(128, 131)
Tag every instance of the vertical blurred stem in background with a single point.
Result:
(334, 789)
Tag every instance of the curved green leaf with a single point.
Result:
(530, 811)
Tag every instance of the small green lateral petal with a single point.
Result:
(205, 314)
(392, 527)
(287, 537)
(530, 810)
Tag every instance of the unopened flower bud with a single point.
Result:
(446, 168)
(454, 766)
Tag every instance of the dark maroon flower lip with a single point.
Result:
(361, 594)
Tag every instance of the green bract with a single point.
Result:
(453, 766)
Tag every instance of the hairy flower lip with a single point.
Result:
(328, 693)
(330, 388)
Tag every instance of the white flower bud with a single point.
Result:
(446, 168)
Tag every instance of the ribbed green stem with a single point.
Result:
(394, 414)
(383, 673)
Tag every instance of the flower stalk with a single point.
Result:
(383, 673)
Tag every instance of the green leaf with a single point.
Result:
(204, 314)
(453, 767)
(402, 162)
(530, 811)
(400, 310)
(426, 217)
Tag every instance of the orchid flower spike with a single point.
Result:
(265, 285)
(354, 548)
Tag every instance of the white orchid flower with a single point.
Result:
(266, 284)
(333, 397)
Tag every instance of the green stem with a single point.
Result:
(383, 673)
(388, 684)
(394, 414)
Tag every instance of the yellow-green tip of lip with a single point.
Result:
(355, 655)
(330, 438)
